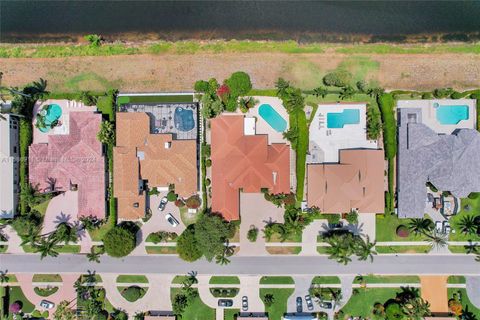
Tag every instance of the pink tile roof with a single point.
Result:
(244, 162)
(75, 158)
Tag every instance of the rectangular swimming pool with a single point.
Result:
(340, 119)
(451, 114)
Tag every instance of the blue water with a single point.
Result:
(183, 119)
(451, 114)
(54, 112)
(272, 117)
(339, 119)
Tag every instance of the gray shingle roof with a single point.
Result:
(449, 162)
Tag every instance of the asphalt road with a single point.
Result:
(277, 265)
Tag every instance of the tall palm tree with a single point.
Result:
(3, 276)
(229, 250)
(347, 92)
(320, 92)
(64, 232)
(471, 247)
(94, 255)
(281, 85)
(467, 225)
(222, 259)
(375, 92)
(420, 225)
(416, 308)
(47, 247)
(192, 278)
(365, 249)
(31, 237)
(437, 240)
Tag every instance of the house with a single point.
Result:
(9, 178)
(71, 162)
(243, 161)
(144, 159)
(355, 183)
(433, 150)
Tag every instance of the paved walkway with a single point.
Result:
(473, 290)
(66, 291)
(256, 211)
(156, 298)
(434, 290)
(309, 237)
(157, 223)
(14, 241)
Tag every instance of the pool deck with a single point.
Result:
(262, 127)
(429, 117)
(325, 143)
(67, 107)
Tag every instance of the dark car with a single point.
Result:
(244, 303)
(309, 302)
(225, 302)
(299, 305)
(326, 305)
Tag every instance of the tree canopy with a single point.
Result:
(119, 241)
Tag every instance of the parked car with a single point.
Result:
(244, 303)
(163, 204)
(446, 227)
(438, 226)
(326, 305)
(47, 304)
(225, 302)
(309, 302)
(299, 305)
(171, 220)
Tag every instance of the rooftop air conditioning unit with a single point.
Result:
(168, 145)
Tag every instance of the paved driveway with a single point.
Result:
(256, 211)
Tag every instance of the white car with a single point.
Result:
(47, 304)
(163, 204)
(438, 226)
(171, 220)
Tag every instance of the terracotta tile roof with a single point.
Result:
(244, 162)
(356, 182)
(75, 158)
(140, 155)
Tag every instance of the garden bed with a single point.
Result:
(218, 292)
(161, 250)
(45, 292)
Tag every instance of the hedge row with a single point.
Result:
(25, 139)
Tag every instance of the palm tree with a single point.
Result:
(320, 92)
(93, 256)
(365, 249)
(31, 237)
(222, 259)
(471, 247)
(191, 279)
(437, 240)
(65, 232)
(467, 225)
(268, 299)
(420, 225)
(416, 308)
(347, 92)
(467, 314)
(281, 86)
(229, 250)
(47, 247)
(375, 92)
(3, 276)
(37, 90)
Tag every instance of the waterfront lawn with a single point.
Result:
(386, 279)
(279, 306)
(224, 280)
(16, 294)
(276, 280)
(361, 303)
(196, 310)
(326, 280)
(386, 227)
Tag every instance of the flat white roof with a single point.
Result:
(7, 194)
(249, 126)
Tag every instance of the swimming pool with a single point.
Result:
(340, 119)
(183, 119)
(50, 114)
(451, 114)
(272, 117)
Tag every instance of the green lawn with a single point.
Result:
(46, 278)
(230, 314)
(300, 119)
(386, 279)
(361, 304)
(42, 207)
(196, 310)
(160, 250)
(224, 280)
(98, 234)
(179, 279)
(464, 300)
(294, 237)
(276, 280)
(403, 249)
(456, 279)
(131, 279)
(468, 207)
(279, 307)
(16, 294)
(457, 249)
(386, 226)
(69, 248)
(3, 248)
(326, 280)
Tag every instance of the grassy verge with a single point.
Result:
(326, 280)
(69, 248)
(283, 250)
(231, 314)
(160, 250)
(457, 249)
(294, 237)
(403, 249)
(46, 278)
(298, 120)
(276, 280)
(224, 280)
(279, 306)
(456, 279)
(131, 279)
(386, 279)
(196, 310)
(361, 304)
(179, 279)
(386, 227)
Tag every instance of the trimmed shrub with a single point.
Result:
(193, 202)
(337, 78)
(179, 203)
(121, 316)
(239, 83)
(252, 234)
(473, 195)
(202, 86)
(443, 92)
(457, 95)
(402, 231)
(15, 307)
(208, 163)
(352, 217)
(393, 311)
(172, 196)
(333, 218)
(102, 315)
(427, 95)
(208, 182)
(133, 293)
(119, 241)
